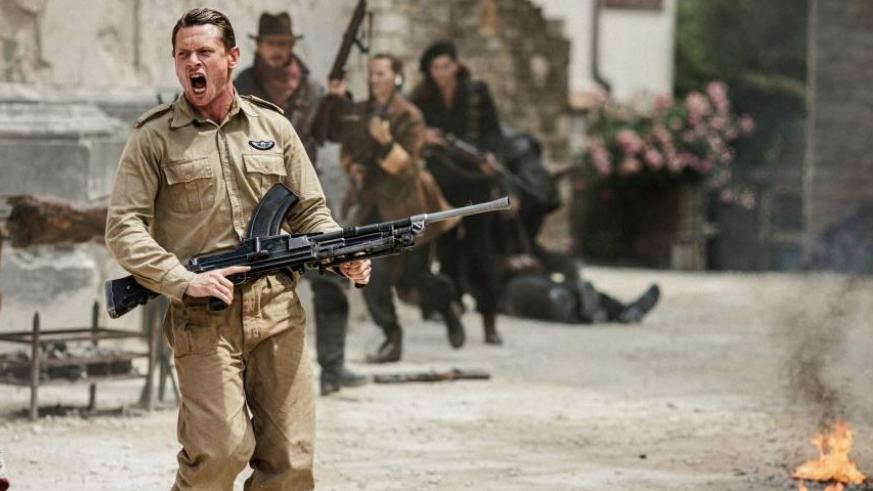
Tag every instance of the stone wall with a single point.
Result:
(523, 56)
(839, 165)
(126, 43)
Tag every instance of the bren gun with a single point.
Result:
(265, 250)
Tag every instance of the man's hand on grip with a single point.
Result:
(215, 284)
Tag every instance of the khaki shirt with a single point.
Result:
(187, 186)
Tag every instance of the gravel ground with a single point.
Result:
(719, 389)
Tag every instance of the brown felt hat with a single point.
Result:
(274, 25)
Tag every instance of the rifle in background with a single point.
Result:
(432, 376)
(465, 160)
(321, 126)
(350, 37)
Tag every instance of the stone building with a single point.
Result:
(816, 210)
(838, 175)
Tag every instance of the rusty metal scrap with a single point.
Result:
(59, 360)
(41, 221)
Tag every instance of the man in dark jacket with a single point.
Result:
(453, 104)
(280, 77)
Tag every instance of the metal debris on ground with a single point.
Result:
(431, 376)
(60, 361)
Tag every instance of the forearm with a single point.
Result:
(311, 215)
(136, 251)
(396, 160)
(399, 156)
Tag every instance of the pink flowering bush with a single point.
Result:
(690, 140)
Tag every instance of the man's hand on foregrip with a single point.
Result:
(357, 271)
(215, 284)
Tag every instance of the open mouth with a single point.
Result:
(198, 83)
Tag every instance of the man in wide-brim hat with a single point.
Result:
(280, 77)
(275, 38)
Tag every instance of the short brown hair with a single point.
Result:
(203, 16)
(396, 64)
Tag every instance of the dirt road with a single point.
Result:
(720, 389)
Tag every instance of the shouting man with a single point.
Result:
(188, 180)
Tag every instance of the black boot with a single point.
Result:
(330, 339)
(636, 310)
(454, 327)
(332, 381)
(489, 322)
(391, 349)
(331, 318)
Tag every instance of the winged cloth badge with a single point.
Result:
(262, 144)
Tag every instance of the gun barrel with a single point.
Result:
(337, 70)
(465, 211)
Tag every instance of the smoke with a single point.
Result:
(846, 246)
(816, 335)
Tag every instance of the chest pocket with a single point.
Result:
(191, 185)
(264, 170)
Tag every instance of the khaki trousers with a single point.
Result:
(248, 394)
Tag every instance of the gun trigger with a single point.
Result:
(215, 305)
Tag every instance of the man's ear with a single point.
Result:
(233, 56)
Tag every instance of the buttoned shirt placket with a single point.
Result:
(249, 296)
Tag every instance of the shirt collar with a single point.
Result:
(184, 114)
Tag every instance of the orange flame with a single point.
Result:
(833, 463)
(835, 487)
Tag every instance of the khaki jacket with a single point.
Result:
(187, 186)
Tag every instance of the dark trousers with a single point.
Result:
(536, 296)
(434, 292)
(466, 255)
(613, 306)
(331, 307)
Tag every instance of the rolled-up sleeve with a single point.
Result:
(131, 211)
(403, 160)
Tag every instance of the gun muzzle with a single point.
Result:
(465, 211)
